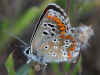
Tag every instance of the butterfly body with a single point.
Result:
(54, 39)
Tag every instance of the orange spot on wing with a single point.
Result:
(68, 37)
(62, 36)
(62, 28)
(66, 27)
(69, 55)
(73, 40)
(62, 32)
(54, 18)
(72, 48)
(60, 24)
(57, 20)
(49, 17)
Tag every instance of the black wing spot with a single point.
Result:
(67, 41)
(51, 25)
(66, 46)
(45, 24)
(53, 29)
(54, 54)
(55, 40)
(45, 32)
(52, 34)
(64, 53)
(46, 47)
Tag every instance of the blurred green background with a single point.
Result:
(19, 17)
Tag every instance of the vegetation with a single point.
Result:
(18, 25)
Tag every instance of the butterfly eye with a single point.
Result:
(27, 51)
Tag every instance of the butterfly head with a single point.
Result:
(33, 55)
(27, 51)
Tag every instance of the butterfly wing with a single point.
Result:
(52, 37)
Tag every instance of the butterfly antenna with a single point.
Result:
(11, 34)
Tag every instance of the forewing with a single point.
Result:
(46, 28)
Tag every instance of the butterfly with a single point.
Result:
(54, 39)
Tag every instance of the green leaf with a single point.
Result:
(10, 65)
(67, 67)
